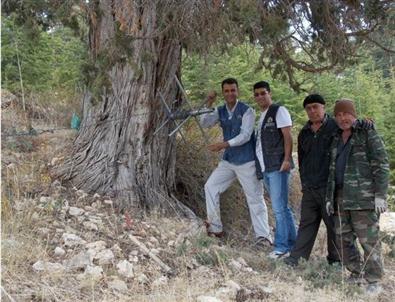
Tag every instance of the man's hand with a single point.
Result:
(218, 146)
(329, 208)
(285, 166)
(380, 205)
(211, 97)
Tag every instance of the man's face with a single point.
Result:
(230, 92)
(344, 120)
(263, 98)
(315, 112)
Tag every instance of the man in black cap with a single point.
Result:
(314, 143)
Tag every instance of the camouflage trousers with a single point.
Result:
(364, 226)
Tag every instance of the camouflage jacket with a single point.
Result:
(367, 170)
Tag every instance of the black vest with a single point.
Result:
(272, 141)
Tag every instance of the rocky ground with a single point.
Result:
(61, 244)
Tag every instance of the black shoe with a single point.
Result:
(291, 261)
(332, 261)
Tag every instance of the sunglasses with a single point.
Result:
(263, 93)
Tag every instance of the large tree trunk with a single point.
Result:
(115, 152)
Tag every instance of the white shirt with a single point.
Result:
(283, 119)
(246, 129)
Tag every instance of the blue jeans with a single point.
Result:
(276, 183)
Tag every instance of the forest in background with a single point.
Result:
(51, 67)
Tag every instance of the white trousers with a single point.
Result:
(221, 179)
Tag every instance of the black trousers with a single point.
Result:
(312, 212)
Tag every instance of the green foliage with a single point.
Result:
(52, 61)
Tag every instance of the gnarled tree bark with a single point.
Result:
(115, 152)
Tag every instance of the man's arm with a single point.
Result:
(210, 119)
(286, 165)
(246, 129)
(379, 163)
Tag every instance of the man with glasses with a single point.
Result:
(274, 162)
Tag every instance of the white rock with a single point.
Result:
(59, 252)
(133, 259)
(155, 252)
(105, 256)
(108, 202)
(44, 231)
(55, 160)
(97, 245)
(90, 226)
(94, 272)
(134, 253)
(387, 222)
(161, 281)
(72, 240)
(266, 289)
(35, 216)
(81, 260)
(207, 299)
(74, 211)
(171, 243)
(45, 200)
(125, 268)
(235, 265)
(153, 240)
(228, 291)
(242, 261)
(118, 285)
(96, 195)
(142, 279)
(49, 267)
(116, 248)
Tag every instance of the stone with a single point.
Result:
(93, 272)
(90, 226)
(235, 265)
(118, 285)
(49, 267)
(125, 268)
(71, 240)
(105, 256)
(108, 202)
(207, 299)
(387, 222)
(228, 291)
(59, 252)
(153, 240)
(97, 245)
(161, 281)
(81, 260)
(142, 279)
(74, 211)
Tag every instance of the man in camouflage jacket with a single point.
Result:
(357, 192)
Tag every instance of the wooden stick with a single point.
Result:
(7, 294)
(142, 247)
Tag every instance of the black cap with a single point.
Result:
(313, 98)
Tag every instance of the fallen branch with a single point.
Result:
(142, 247)
(7, 294)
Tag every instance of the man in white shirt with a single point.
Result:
(237, 122)
(274, 162)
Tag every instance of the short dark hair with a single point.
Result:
(313, 98)
(262, 84)
(229, 81)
